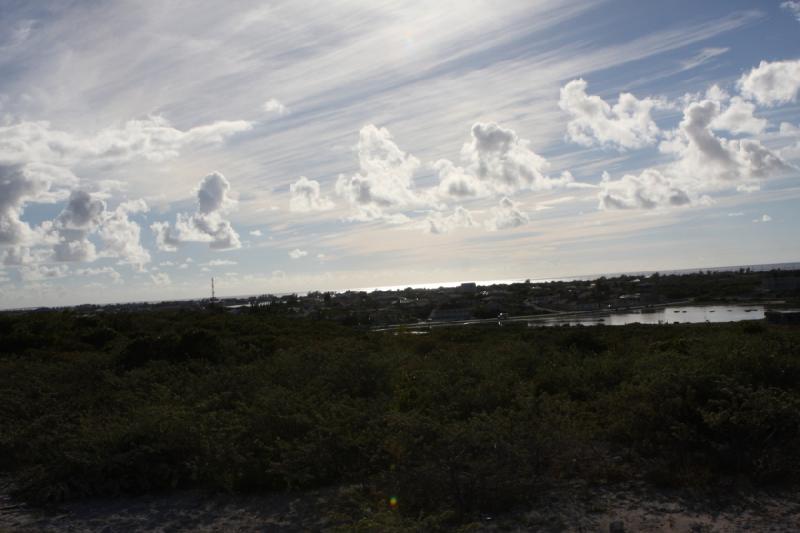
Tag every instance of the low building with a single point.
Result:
(468, 288)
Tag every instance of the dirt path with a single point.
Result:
(573, 507)
(177, 511)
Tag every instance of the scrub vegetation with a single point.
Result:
(452, 424)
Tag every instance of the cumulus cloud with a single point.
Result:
(297, 253)
(83, 215)
(115, 276)
(212, 194)
(81, 212)
(256, 233)
(499, 159)
(625, 125)
(74, 247)
(305, 196)
(79, 218)
(207, 223)
(793, 6)
(385, 178)
(703, 162)
(167, 238)
(772, 83)
(42, 272)
(506, 216)
(456, 182)
(121, 236)
(438, 223)
(648, 190)
(17, 256)
(711, 160)
(273, 105)
(35, 161)
(739, 117)
(17, 185)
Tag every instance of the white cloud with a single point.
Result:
(455, 182)
(738, 118)
(220, 262)
(627, 124)
(772, 83)
(73, 248)
(212, 194)
(121, 236)
(715, 92)
(502, 161)
(648, 190)
(167, 239)
(152, 138)
(703, 56)
(83, 215)
(18, 184)
(793, 6)
(305, 196)
(79, 218)
(764, 219)
(709, 160)
(34, 158)
(506, 216)
(41, 272)
(550, 204)
(274, 106)
(207, 223)
(161, 279)
(703, 162)
(385, 178)
(256, 233)
(81, 212)
(17, 255)
(102, 271)
(297, 253)
(437, 223)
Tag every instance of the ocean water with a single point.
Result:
(586, 277)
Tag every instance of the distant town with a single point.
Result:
(476, 302)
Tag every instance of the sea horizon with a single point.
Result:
(765, 267)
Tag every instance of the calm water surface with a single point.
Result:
(665, 315)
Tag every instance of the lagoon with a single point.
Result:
(688, 314)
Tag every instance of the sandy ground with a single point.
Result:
(639, 509)
(573, 507)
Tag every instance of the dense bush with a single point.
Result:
(452, 423)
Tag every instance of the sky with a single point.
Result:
(300, 145)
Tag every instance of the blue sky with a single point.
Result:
(292, 146)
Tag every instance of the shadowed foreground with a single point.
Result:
(233, 418)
